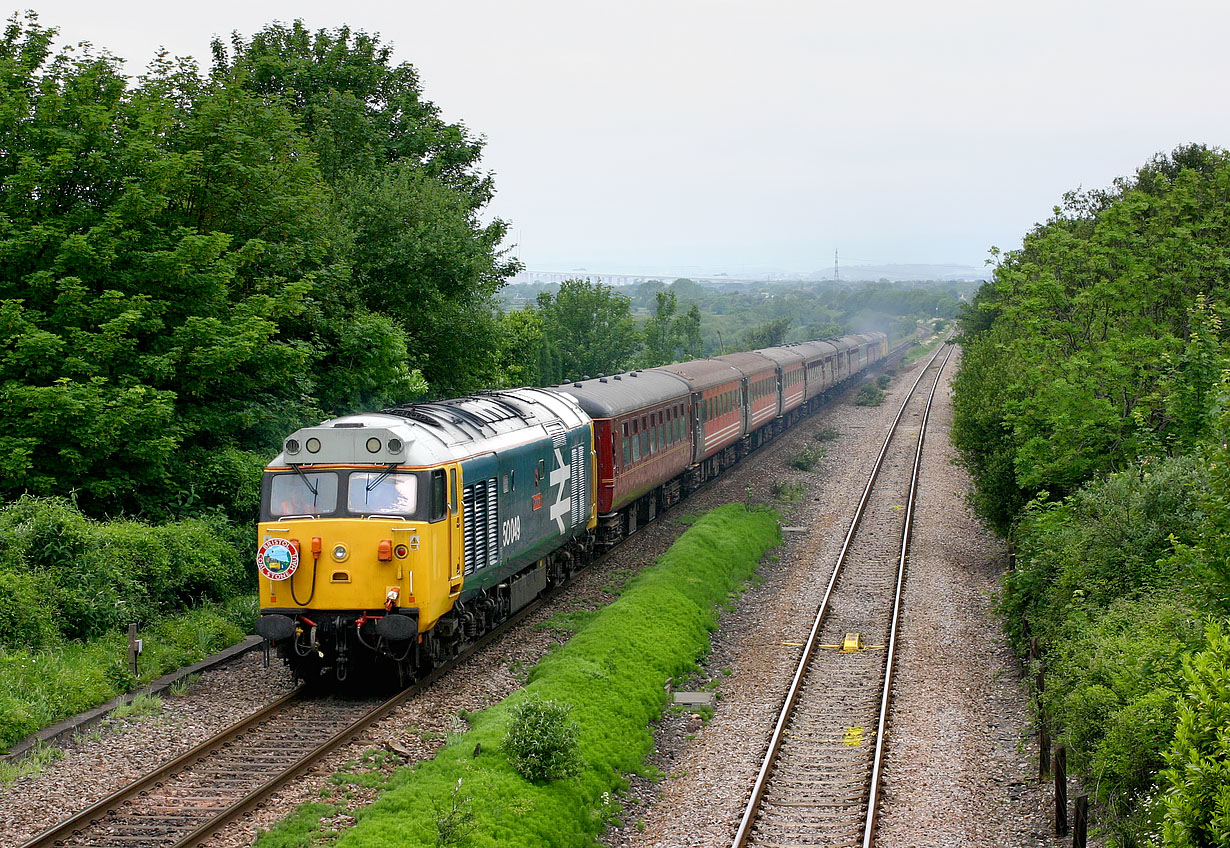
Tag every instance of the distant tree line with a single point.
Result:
(585, 328)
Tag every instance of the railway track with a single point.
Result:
(819, 780)
(181, 803)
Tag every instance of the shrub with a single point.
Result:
(1197, 781)
(882, 381)
(24, 610)
(869, 395)
(71, 577)
(826, 434)
(806, 459)
(788, 492)
(542, 740)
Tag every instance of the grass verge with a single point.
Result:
(612, 675)
(40, 687)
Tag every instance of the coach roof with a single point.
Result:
(611, 397)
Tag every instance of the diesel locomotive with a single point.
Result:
(390, 540)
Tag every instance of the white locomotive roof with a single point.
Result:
(429, 434)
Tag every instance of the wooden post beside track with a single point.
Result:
(1080, 823)
(1044, 736)
(134, 649)
(1061, 791)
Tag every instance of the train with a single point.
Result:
(389, 541)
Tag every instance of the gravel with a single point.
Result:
(957, 727)
(959, 768)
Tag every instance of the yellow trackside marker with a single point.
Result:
(854, 736)
(853, 642)
(897, 506)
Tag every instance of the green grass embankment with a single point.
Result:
(72, 585)
(39, 687)
(613, 674)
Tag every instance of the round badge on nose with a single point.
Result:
(278, 559)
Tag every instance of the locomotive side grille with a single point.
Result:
(559, 436)
(493, 524)
(467, 532)
(579, 485)
(481, 525)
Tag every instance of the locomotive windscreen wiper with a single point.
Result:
(380, 477)
(306, 481)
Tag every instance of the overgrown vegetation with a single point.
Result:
(788, 491)
(69, 577)
(826, 434)
(806, 458)
(869, 395)
(1093, 411)
(612, 675)
(38, 687)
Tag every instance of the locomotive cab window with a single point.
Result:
(312, 493)
(382, 493)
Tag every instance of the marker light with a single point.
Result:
(339, 552)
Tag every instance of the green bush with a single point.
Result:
(806, 459)
(1197, 781)
(75, 578)
(1111, 539)
(24, 603)
(882, 381)
(869, 395)
(542, 741)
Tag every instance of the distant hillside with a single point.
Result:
(896, 273)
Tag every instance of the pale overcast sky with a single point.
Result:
(708, 136)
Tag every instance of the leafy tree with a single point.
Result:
(407, 187)
(1100, 355)
(592, 328)
(769, 334)
(155, 241)
(670, 336)
(181, 286)
(526, 358)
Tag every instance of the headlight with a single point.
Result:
(373, 445)
(292, 445)
(339, 552)
(313, 445)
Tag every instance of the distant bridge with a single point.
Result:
(621, 279)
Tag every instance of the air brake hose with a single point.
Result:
(312, 594)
